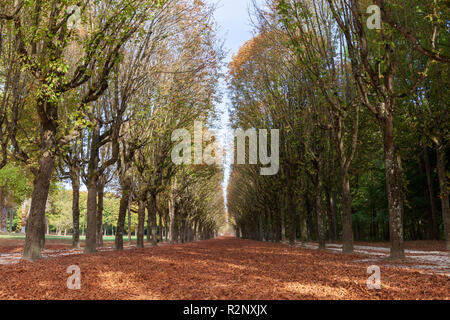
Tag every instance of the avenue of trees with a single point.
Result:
(363, 115)
(90, 93)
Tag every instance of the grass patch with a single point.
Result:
(56, 237)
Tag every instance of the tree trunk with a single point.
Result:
(291, 212)
(303, 224)
(260, 228)
(129, 220)
(335, 215)
(319, 211)
(152, 218)
(93, 177)
(11, 219)
(330, 216)
(141, 224)
(91, 225)
(426, 195)
(2, 209)
(440, 152)
(149, 227)
(161, 227)
(36, 219)
(172, 219)
(76, 211)
(283, 217)
(309, 217)
(126, 189)
(183, 230)
(100, 196)
(347, 231)
(320, 225)
(433, 220)
(394, 186)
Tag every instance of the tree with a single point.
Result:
(41, 49)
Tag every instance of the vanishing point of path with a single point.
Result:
(224, 268)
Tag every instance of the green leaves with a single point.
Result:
(15, 180)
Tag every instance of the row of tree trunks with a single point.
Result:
(152, 212)
(442, 173)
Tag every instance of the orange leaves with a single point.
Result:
(224, 268)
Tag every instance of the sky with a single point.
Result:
(233, 19)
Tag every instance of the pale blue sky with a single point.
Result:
(233, 19)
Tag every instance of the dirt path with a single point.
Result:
(224, 268)
(428, 261)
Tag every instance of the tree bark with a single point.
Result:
(100, 198)
(433, 222)
(141, 224)
(36, 220)
(11, 219)
(303, 224)
(172, 219)
(149, 228)
(347, 230)
(426, 195)
(260, 228)
(152, 218)
(394, 186)
(283, 217)
(76, 211)
(129, 219)
(2, 209)
(319, 212)
(330, 216)
(126, 190)
(291, 212)
(92, 181)
(441, 162)
(335, 215)
(91, 225)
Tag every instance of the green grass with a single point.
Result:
(55, 237)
